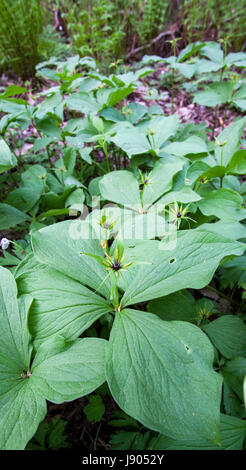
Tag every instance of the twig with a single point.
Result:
(170, 32)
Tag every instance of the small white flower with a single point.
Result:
(4, 243)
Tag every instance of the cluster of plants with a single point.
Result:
(27, 37)
(212, 77)
(114, 218)
(109, 31)
(21, 24)
(213, 18)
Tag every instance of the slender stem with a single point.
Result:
(215, 118)
(105, 148)
(117, 297)
(221, 163)
(115, 294)
(99, 166)
(173, 92)
(95, 442)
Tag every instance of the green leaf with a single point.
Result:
(239, 98)
(49, 126)
(233, 230)
(187, 70)
(195, 171)
(158, 182)
(129, 440)
(7, 158)
(52, 212)
(188, 262)
(60, 246)
(230, 137)
(216, 171)
(69, 159)
(135, 111)
(128, 224)
(62, 305)
(25, 197)
(113, 188)
(192, 145)
(233, 432)
(185, 194)
(95, 409)
(224, 204)
(13, 90)
(117, 95)
(178, 306)
(10, 217)
(14, 345)
(112, 114)
(76, 199)
(162, 128)
(205, 66)
(60, 371)
(228, 334)
(73, 372)
(234, 372)
(149, 135)
(215, 94)
(148, 361)
(237, 165)
(213, 51)
(189, 50)
(42, 143)
(21, 408)
(131, 140)
(244, 391)
(82, 102)
(160, 179)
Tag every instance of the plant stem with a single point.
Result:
(173, 92)
(105, 148)
(215, 119)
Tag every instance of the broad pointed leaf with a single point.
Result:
(7, 159)
(230, 138)
(10, 216)
(228, 334)
(131, 140)
(233, 433)
(161, 374)
(160, 179)
(192, 145)
(188, 262)
(70, 373)
(215, 94)
(21, 408)
(224, 204)
(63, 246)
(61, 306)
(121, 187)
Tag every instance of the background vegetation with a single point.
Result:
(108, 30)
